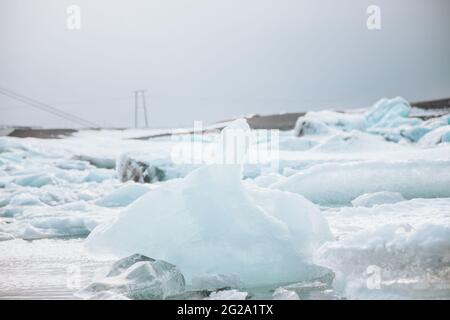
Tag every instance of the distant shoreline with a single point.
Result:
(283, 121)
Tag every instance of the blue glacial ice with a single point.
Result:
(209, 222)
(393, 261)
(123, 196)
(340, 183)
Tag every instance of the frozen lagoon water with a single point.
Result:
(54, 190)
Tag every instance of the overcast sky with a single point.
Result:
(215, 59)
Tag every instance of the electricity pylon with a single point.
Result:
(141, 94)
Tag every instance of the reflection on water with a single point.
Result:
(45, 269)
(56, 268)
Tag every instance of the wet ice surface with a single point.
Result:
(380, 180)
(46, 269)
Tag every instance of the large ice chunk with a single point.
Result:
(340, 183)
(209, 222)
(439, 135)
(390, 113)
(315, 122)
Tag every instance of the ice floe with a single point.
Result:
(123, 196)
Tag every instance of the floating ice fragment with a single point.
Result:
(99, 175)
(439, 135)
(137, 277)
(25, 199)
(414, 134)
(6, 236)
(284, 294)
(123, 196)
(35, 180)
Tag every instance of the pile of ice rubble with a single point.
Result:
(388, 118)
(359, 207)
(345, 155)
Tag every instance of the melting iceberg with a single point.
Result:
(209, 222)
(340, 183)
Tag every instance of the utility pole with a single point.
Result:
(140, 93)
(136, 95)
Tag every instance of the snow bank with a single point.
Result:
(267, 180)
(99, 162)
(373, 199)
(355, 142)
(392, 261)
(315, 122)
(209, 222)
(340, 183)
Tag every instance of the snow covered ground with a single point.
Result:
(357, 206)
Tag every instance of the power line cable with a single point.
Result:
(47, 108)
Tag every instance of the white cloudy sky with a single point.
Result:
(214, 59)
